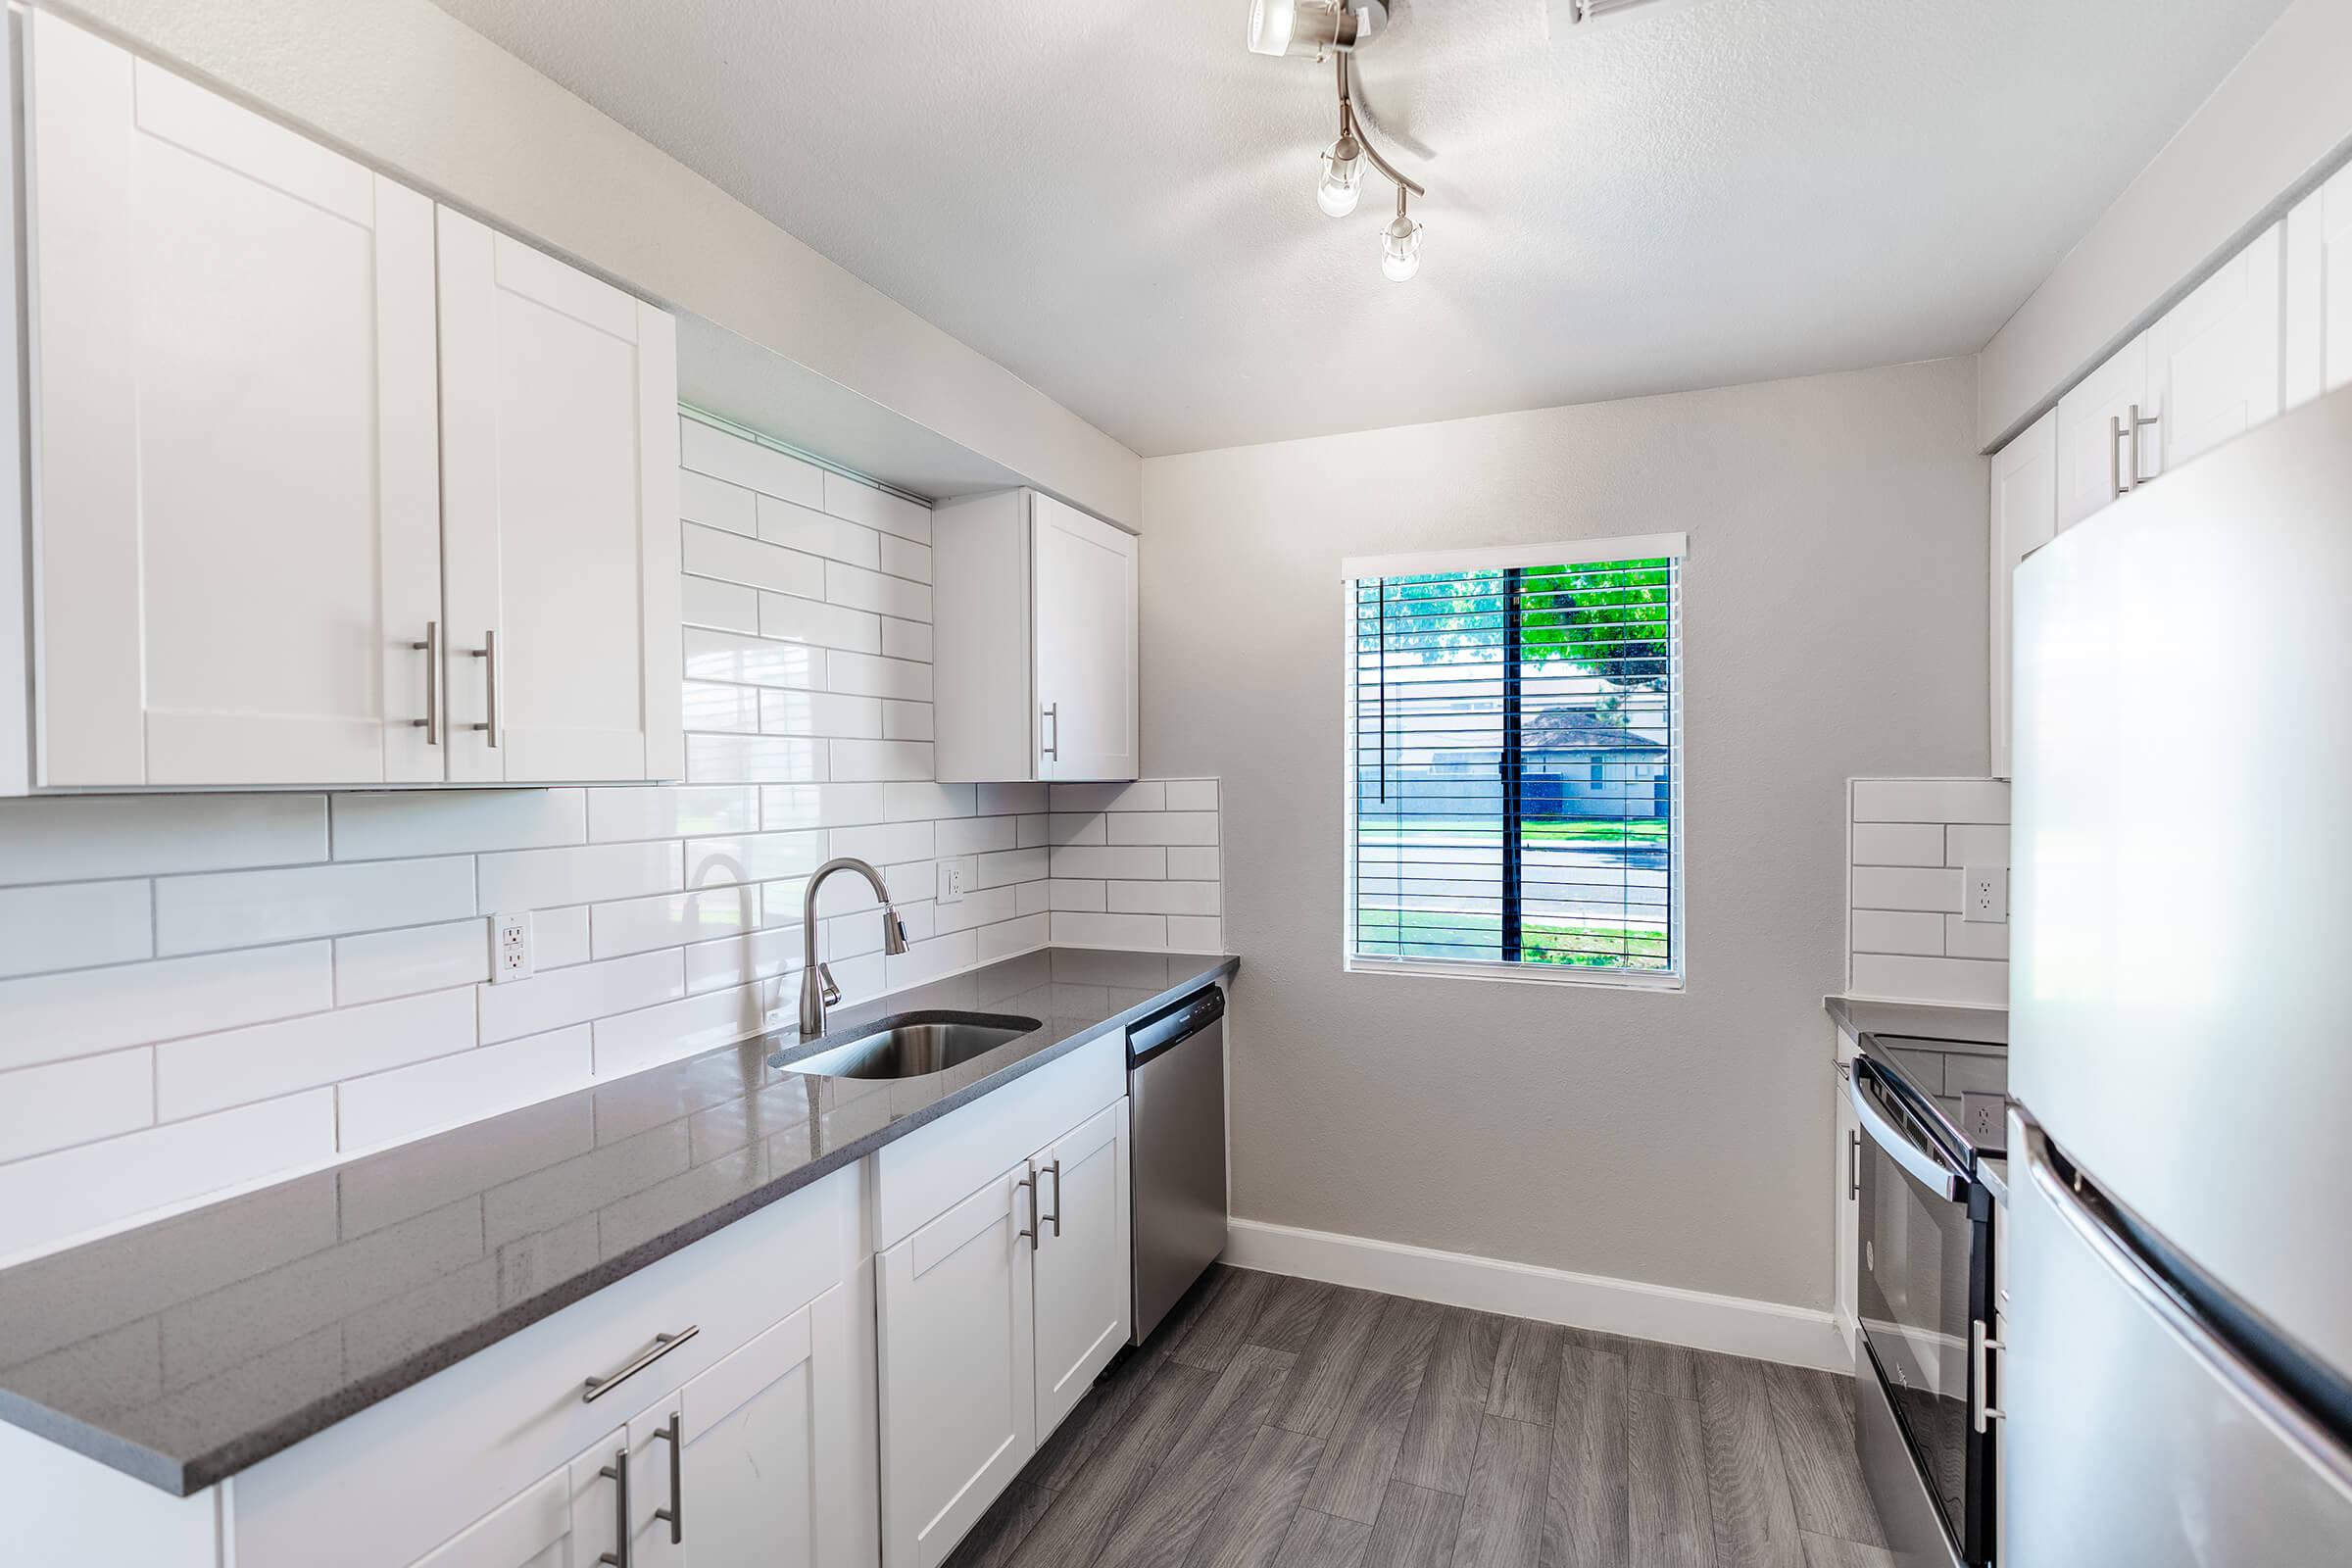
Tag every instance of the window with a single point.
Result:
(1515, 768)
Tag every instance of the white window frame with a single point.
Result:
(1567, 553)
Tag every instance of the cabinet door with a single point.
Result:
(957, 1369)
(1084, 619)
(2025, 518)
(768, 1475)
(1845, 1288)
(598, 1485)
(534, 1531)
(2093, 433)
(236, 511)
(1083, 1299)
(2319, 292)
(559, 431)
(2213, 359)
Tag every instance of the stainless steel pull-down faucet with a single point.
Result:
(818, 990)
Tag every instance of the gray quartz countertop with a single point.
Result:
(190, 1349)
(1933, 1020)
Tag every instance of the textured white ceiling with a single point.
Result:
(1116, 201)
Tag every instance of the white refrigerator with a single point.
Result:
(2178, 1381)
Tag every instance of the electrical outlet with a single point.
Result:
(509, 948)
(1985, 895)
(1984, 1120)
(955, 875)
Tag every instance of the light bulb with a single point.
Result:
(1401, 249)
(1343, 178)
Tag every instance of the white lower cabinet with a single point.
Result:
(994, 1319)
(534, 1531)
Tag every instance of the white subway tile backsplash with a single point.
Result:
(673, 921)
(1886, 887)
(1190, 863)
(1029, 832)
(875, 508)
(75, 840)
(739, 960)
(1109, 930)
(886, 760)
(1962, 980)
(1977, 939)
(662, 811)
(905, 639)
(252, 909)
(863, 677)
(1967, 844)
(713, 706)
(214, 1072)
(753, 661)
(1164, 827)
(401, 963)
(594, 990)
(906, 801)
(1899, 931)
(791, 618)
(1135, 862)
(903, 558)
(825, 713)
(1006, 800)
(1145, 796)
(1078, 827)
(383, 828)
(785, 807)
(636, 1040)
(735, 558)
(1004, 867)
(808, 529)
(1191, 934)
(906, 721)
(975, 835)
(706, 448)
(74, 926)
(1899, 843)
(52, 1016)
(716, 503)
(860, 589)
(753, 858)
(408, 1102)
(1931, 800)
(1166, 898)
(67, 1102)
(560, 938)
(885, 843)
(1192, 794)
(723, 605)
(754, 759)
(1079, 895)
(986, 907)
(595, 873)
(1032, 898)
(1008, 937)
(96, 1184)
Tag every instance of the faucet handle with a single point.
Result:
(827, 986)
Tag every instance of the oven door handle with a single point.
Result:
(1928, 1168)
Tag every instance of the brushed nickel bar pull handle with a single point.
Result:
(1982, 1412)
(1029, 1181)
(488, 654)
(675, 1513)
(2115, 458)
(617, 1472)
(663, 1343)
(2137, 424)
(1052, 716)
(430, 723)
(1853, 1163)
(1055, 1216)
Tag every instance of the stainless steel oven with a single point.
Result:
(1924, 1299)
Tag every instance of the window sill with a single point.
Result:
(1524, 974)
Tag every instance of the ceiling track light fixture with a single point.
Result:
(1317, 28)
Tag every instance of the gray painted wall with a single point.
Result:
(1835, 626)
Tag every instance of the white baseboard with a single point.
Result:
(1765, 1331)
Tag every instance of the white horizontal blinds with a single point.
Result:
(1514, 769)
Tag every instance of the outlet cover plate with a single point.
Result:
(1984, 1120)
(1985, 895)
(956, 874)
(509, 948)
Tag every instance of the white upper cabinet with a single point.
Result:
(2213, 359)
(283, 448)
(2025, 518)
(2319, 292)
(2095, 440)
(559, 431)
(237, 531)
(1035, 642)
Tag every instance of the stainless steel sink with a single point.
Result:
(916, 1046)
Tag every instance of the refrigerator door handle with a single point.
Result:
(2276, 1409)
(1928, 1170)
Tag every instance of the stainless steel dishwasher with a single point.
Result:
(1176, 1169)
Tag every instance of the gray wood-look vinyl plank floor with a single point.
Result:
(1281, 1423)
